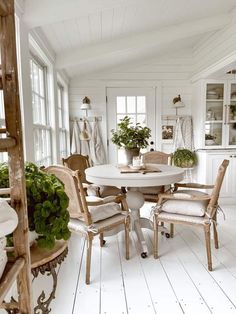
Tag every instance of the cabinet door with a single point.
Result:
(215, 114)
(231, 116)
(213, 163)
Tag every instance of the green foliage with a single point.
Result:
(184, 158)
(47, 204)
(129, 136)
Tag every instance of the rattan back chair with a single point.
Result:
(83, 213)
(151, 193)
(191, 207)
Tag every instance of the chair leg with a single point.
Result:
(101, 238)
(208, 245)
(172, 230)
(88, 258)
(155, 244)
(127, 225)
(215, 234)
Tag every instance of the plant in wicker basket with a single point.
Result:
(184, 158)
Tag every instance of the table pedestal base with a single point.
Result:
(135, 201)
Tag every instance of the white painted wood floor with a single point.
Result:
(178, 282)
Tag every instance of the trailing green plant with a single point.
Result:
(47, 204)
(130, 136)
(184, 158)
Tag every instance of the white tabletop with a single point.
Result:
(110, 175)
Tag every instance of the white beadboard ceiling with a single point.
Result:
(89, 35)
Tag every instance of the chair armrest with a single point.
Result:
(193, 185)
(163, 197)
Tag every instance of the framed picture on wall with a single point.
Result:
(167, 133)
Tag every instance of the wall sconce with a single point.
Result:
(85, 105)
(178, 102)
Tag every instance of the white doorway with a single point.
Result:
(135, 102)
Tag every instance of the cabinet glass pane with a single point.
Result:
(214, 110)
(232, 106)
(213, 134)
(232, 134)
(214, 91)
(214, 102)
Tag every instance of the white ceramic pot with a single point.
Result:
(8, 219)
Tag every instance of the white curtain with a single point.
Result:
(97, 151)
(75, 140)
(184, 133)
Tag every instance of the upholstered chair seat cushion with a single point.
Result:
(184, 206)
(183, 218)
(104, 211)
(77, 225)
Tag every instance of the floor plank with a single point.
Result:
(176, 283)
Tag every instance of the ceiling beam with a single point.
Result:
(149, 40)
(43, 12)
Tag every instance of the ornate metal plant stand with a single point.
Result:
(45, 262)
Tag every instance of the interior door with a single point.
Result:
(137, 103)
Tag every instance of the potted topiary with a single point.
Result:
(184, 158)
(47, 204)
(131, 137)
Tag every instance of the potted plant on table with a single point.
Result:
(184, 158)
(131, 137)
(47, 204)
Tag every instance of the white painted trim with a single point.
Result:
(224, 62)
(41, 47)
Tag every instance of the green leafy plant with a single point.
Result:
(129, 136)
(184, 158)
(47, 204)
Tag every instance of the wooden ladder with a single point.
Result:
(11, 142)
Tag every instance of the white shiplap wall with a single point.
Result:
(171, 72)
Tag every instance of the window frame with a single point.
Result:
(43, 156)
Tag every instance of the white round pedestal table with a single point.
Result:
(111, 175)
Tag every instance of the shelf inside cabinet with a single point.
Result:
(214, 121)
(214, 100)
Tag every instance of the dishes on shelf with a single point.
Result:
(211, 94)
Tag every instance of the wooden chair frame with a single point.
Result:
(206, 221)
(156, 157)
(79, 206)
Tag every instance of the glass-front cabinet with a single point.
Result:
(220, 114)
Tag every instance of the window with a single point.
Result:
(62, 115)
(41, 117)
(132, 106)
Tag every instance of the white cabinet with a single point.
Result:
(208, 164)
(214, 114)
